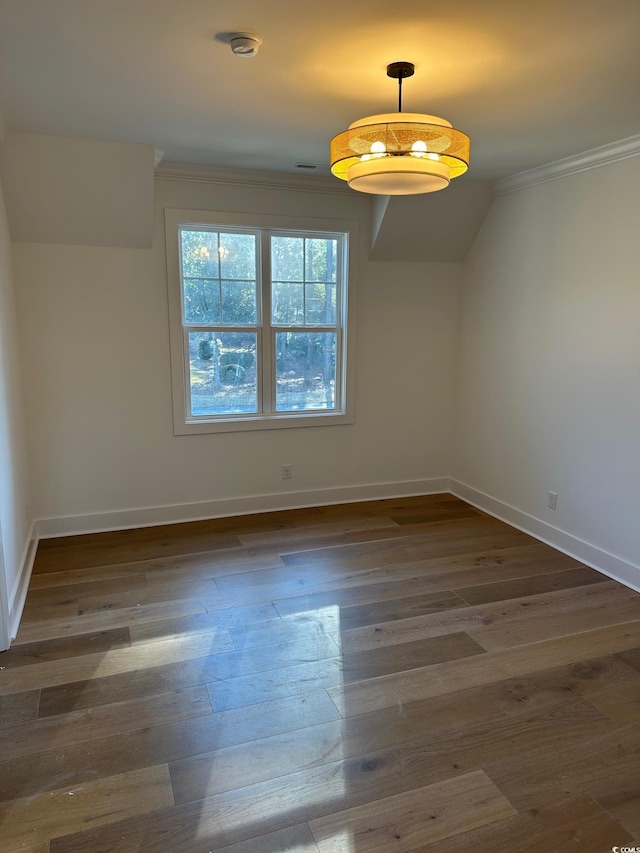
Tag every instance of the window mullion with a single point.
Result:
(304, 280)
(267, 344)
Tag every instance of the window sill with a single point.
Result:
(260, 422)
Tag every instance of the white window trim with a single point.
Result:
(182, 424)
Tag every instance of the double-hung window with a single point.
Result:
(261, 310)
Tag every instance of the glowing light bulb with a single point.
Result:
(419, 148)
(433, 156)
(378, 149)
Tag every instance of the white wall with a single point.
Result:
(15, 520)
(78, 191)
(94, 338)
(549, 380)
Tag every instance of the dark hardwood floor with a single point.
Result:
(402, 675)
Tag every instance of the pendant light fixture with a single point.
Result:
(399, 153)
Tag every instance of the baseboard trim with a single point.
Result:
(19, 593)
(604, 562)
(102, 522)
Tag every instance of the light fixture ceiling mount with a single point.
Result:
(399, 153)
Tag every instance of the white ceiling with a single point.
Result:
(530, 81)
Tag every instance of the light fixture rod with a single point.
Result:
(400, 70)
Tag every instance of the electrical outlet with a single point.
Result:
(287, 472)
(552, 500)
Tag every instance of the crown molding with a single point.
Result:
(261, 180)
(591, 159)
(3, 128)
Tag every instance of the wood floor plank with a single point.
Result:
(150, 680)
(97, 664)
(631, 657)
(442, 511)
(68, 607)
(28, 824)
(595, 763)
(620, 797)
(293, 839)
(65, 626)
(202, 564)
(595, 608)
(202, 623)
(287, 681)
(417, 606)
(572, 825)
(160, 744)
(88, 553)
(210, 773)
(269, 535)
(553, 685)
(375, 663)
(149, 594)
(205, 564)
(128, 545)
(218, 821)
(397, 581)
(292, 629)
(482, 618)
(405, 821)
(51, 595)
(291, 680)
(622, 704)
(116, 718)
(481, 593)
(430, 534)
(430, 544)
(69, 577)
(132, 615)
(418, 748)
(397, 506)
(18, 707)
(400, 688)
(60, 648)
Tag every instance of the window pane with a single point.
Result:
(320, 304)
(321, 260)
(287, 303)
(305, 371)
(222, 373)
(199, 254)
(238, 256)
(287, 258)
(239, 302)
(201, 301)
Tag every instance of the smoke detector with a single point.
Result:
(244, 44)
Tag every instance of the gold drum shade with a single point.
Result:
(399, 154)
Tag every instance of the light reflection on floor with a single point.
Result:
(222, 821)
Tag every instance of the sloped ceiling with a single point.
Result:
(437, 227)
